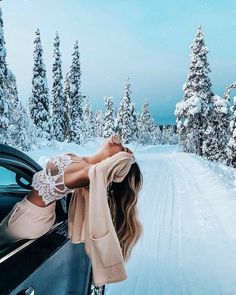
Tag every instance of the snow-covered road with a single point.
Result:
(189, 219)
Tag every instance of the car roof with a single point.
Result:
(9, 155)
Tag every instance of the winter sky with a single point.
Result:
(146, 40)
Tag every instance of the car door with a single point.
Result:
(50, 264)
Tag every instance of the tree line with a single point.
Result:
(206, 122)
(64, 113)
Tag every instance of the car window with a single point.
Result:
(8, 178)
(11, 189)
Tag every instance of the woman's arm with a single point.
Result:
(77, 179)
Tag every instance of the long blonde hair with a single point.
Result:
(122, 200)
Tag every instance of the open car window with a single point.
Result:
(13, 187)
(13, 180)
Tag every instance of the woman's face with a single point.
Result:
(111, 149)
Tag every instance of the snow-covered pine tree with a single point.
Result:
(58, 107)
(231, 146)
(20, 129)
(134, 122)
(192, 137)
(145, 124)
(168, 135)
(4, 102)
(75, 111)
(156, 135)
(164, 137)
(181, 122)
(39, 100)
(173, 138)
(99, 123)
(11, 94)
(228, 90)
(219, 130)
(155, 132)
(123, 120)
(66, 97)
(92, 121)
(194, 111)
(109, 125)
(11, 89)
(87, 116)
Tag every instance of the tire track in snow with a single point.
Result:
(211, 235)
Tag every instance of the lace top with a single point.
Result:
(49, 182)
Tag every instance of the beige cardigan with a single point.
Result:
(89, 219)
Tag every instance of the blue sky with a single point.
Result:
(146, 40)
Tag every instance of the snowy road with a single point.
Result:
(189, 219)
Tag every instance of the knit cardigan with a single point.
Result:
(90, 221)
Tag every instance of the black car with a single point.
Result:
(51, 264)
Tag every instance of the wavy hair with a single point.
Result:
(122, 200)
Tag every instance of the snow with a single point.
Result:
(188, 210)
(194, 104)
(221, 104)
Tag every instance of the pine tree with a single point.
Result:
(145, 124)
(218, 130)
(231, 146)
(156, 134)
(173, 138)
(92, 122)
(11, 89)
(20, 129)
(75, 112)
(99, 123)
(165, 134)
(168, 135)
(134, 123)
(87, 120)
(39, 100)
(66, 97)
(58, 107)
(124, 120)
(192, 139)
(194, 111)
(4, 102)
(181, 123)
(109, 127)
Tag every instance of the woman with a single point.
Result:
(35, 214)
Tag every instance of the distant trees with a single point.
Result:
(109, 123)
(145, 123)
(124, 118)
(68, 115)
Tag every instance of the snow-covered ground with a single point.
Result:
(188, 210)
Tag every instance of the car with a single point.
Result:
(51, 264)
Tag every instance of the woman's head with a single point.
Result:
(122, 200)
(113, 145)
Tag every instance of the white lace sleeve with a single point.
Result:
(49, 181)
